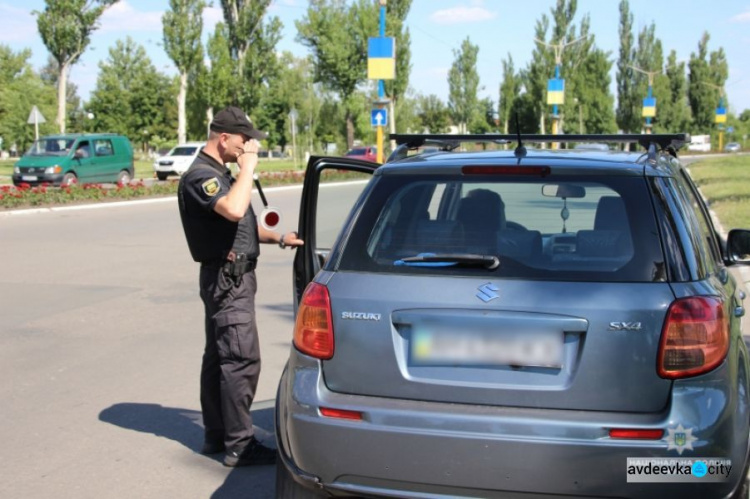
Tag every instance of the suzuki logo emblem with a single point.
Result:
(487, 292)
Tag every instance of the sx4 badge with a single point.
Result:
(680, 439)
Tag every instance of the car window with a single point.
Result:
(357, 152)
(84, 148)
(600, 228)
(103, 147)
(701, 228)
(50, 147)
(183, 151)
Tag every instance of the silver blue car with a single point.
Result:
(521, 323)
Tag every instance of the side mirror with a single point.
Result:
(738, 245)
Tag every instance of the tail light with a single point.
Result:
(695, 338)
(313, 331)
(635, 434)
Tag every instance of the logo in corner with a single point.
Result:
(487, 292)
(680, 439)
(211, 187)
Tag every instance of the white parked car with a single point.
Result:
(178, 160)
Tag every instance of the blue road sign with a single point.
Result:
(730, 129)
(379, 117)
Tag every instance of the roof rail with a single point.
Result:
(449, 142)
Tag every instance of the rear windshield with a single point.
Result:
(183, 151)
(557, 228)
(357, 152)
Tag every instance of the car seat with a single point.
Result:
(481, 215)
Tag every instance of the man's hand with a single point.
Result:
(248, 156)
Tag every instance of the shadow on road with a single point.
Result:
(186, 427)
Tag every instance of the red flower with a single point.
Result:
(23, 186)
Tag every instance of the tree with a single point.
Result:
(707, 78)
(539, 69)
(20, 89)
(649, 57)
(213, 83)
(253, 46)
(75, 114)
(183, 25)
(463, 85)
(66, 27)
(397, 10)
(132, 98)
(510, 88)
(337, 35)
(675, 115)
(628, 119)
(434, 116)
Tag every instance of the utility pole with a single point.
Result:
(721, 113)
(556, 85)
(649, 103)
(381, 65)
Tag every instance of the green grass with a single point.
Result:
(725, 182)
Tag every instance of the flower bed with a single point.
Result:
(25, 196)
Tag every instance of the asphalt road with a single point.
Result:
(100, 349)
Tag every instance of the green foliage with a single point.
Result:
(21, 89)
(337, 34)
(434, 116)
(463, 84)
(252, 46)
(132, 98)
(628, 117)
(510, 89)
(708, 74)
(183, 25)
(397, 10)
(66, 27)
(674, 114)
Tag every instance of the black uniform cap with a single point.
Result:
(234, 120)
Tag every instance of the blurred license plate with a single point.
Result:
(538, 349)
(29, 178)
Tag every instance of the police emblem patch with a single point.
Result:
(211, 187)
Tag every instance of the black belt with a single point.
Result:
(236, 268)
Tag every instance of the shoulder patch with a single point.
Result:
(211, 187)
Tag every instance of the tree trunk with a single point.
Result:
(181, 118)
(62, 83)
(209, 119)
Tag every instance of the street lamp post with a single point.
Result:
(721, 112)
(649, 103)
(556, 85)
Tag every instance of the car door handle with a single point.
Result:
(739, 311)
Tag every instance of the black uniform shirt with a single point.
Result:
(209, 235)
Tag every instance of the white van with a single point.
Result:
(178, 160)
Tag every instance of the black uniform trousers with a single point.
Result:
(231, 359)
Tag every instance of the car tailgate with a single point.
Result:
(425, 338)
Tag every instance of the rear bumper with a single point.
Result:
(405, 448)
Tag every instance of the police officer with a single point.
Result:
(223, 235)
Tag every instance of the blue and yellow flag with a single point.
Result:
(649, 107)
(381, 58)
(555, 91)
(721, 115)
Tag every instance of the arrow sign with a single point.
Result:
(379, 117)
(35, 116)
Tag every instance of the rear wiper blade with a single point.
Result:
(448, 259)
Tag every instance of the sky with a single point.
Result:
(497, 27)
